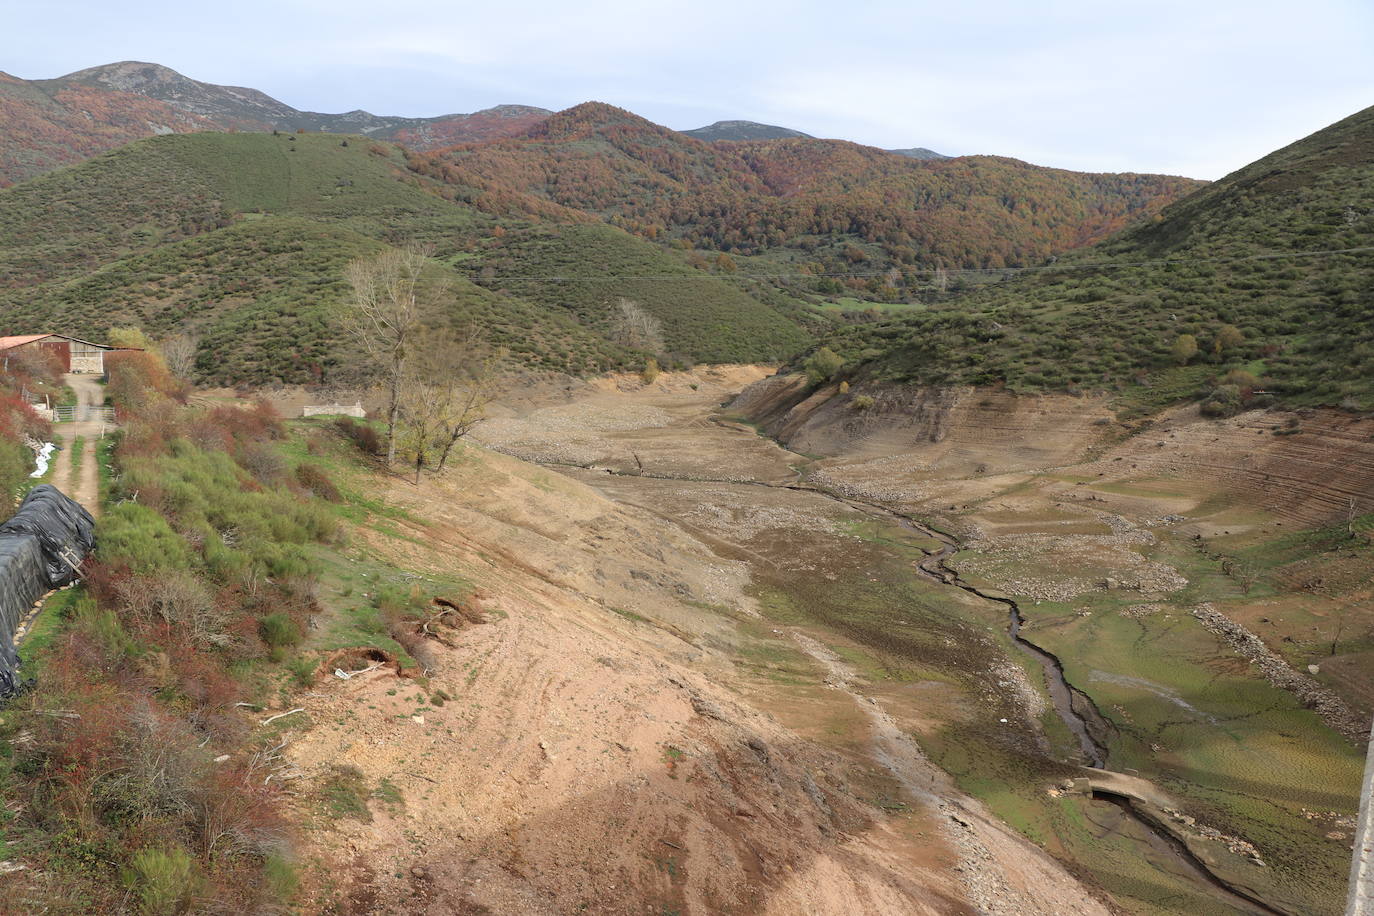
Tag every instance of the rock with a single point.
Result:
(1110, 584)
(1314, 669)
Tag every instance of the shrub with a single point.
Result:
(345, 794)
(650, 372)
(279, 630)
(1225, 401)
(136, 536)
(822, 365)
(1184, 349)
(360, 434)
(302, 669)
(174, 599)
(1240, 379)
(313, 478)
(164, 879)
(263, 461)
(1228, 338)
(281, 874)
(861, 402)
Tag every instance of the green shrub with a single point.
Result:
(822, 365)
(1240, 379)
(279, 630)
(1184, 349)
(103, 627)
(861, 402)
(345, 794)
(281, 878)
(140, 538)
(302, 669)
(163, 879)
(1225, 401)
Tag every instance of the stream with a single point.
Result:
(1077, 710)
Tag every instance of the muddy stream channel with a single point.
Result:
(1080, 715)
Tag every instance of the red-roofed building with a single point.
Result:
(76, 355)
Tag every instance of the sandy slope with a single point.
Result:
(593, 761)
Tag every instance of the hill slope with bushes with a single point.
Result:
(1262, 283)
(242, 239)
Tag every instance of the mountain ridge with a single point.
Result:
(55, 122)
(743, 130)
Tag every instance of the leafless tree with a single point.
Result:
(179, 353)
(384, 315)
(444, 394)
(637, 328)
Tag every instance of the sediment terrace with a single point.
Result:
(716, 674)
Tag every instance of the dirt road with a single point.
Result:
(79, 445)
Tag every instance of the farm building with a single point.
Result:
(76, 355)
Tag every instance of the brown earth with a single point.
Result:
(627, 734)
(604, 750)
(912, 436)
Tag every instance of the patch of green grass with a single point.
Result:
(78, 448)
(628, 615)
(344, 794)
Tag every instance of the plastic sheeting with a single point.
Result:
(42, 458)
(64, 529)
(41, 548)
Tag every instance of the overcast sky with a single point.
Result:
(1195, 88)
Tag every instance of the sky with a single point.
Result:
(1196, 88)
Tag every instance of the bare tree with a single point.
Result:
(444, 394)
(637, 328)
(384, 316)
(179, 353)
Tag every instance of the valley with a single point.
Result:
(551, 512)
(829, 628)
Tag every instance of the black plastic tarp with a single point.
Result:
(41, 548)
(65, 531)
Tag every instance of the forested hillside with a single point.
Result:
(826, 206)
(46, 130)
(1259, 285)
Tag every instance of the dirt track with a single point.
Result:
(85, 488)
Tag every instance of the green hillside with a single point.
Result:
(1264, 251)
(705, 317)
(242, 239)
